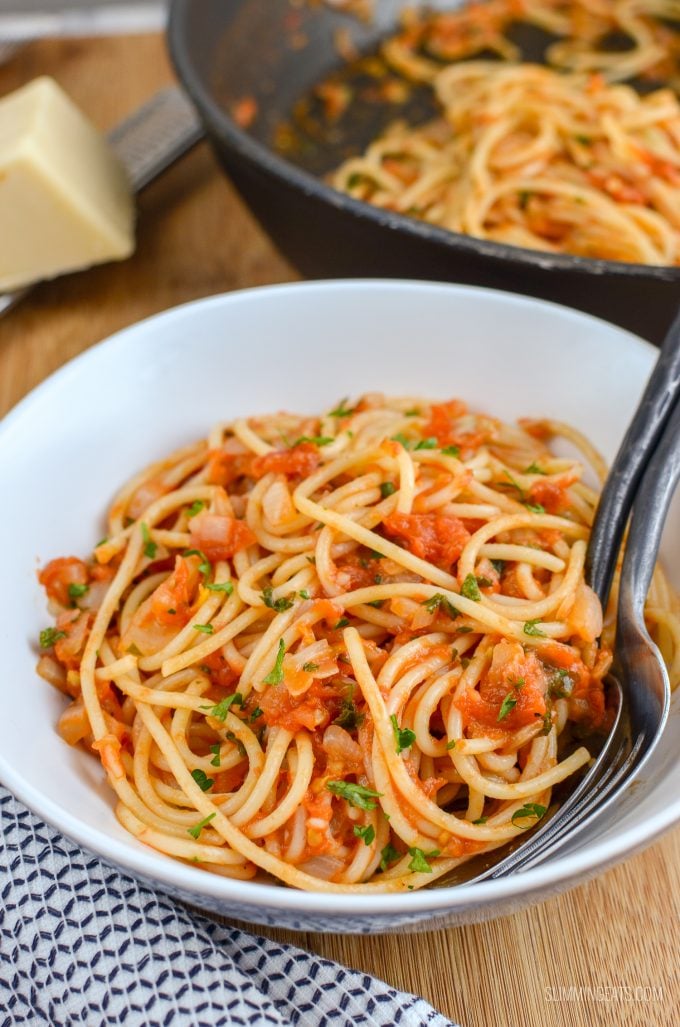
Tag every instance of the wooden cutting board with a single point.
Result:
(605, 954)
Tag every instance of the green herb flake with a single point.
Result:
(48, 636)
(304, 594)
(388, 855)
(275, 675)
(419, 864)
(524, 196)
(451, 744)
(438, 600)
(507, 706)
(533, 468)
(429, 443)
(219, 712)
(531, 811)
(216, 761)
(480, 820)
(197, 828)
(195, 508)
(202, 780)
(498, 566)
(76, 591)
(309, 668)
(470, 589)
(284, 603)
(451, 451)
(530, 628)
(356, 795)
(367, 833)
(387, 488)
(561, 684)
(255, 715)
(403, 736)
(377, 603)
(102, 541)
(316, 440)
(342, 410)
(206, 629)
(149, 547)
(342, 623)
(465, 662)
(536, 508)
(513, 482)
(415, 412)
(348, 716)
(401, 438)
(223, 586)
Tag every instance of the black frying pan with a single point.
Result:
(227, 50)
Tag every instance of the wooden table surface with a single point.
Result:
(195, 238)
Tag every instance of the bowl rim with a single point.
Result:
(219, 124)
(558, 873)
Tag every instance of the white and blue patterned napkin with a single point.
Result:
(81, 943)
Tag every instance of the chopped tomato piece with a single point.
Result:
(434, 537)
(223, 468)
(513, 689)
(311, 711)
(76, 626)
(58, 574)
(441, 420)
(298, 462)
(171, 601)
(220, 672)
(230, 780)
(219, 536)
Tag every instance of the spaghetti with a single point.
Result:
(559, 161)
(350, 651)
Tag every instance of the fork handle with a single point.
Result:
(656, 489)
(621, 488)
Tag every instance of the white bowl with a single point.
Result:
(65, 449)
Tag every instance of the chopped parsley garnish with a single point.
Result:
(513, 482)
(524, 196)
(388, 855)
(284, 603)
(465, 662)
(149, 547)
(419, 864)
(304, 594)
(429, 443)
(531, 629)
(195, 508)
(237, 742)
(316, 440)
(342, 623)
(310, 667)
(356, 795)
(536, 508)
(484, 582)
(205, 567)
(547, 722)
(451, 744)
(275, 675)
(438, 600)
(377, 603)
(412, 413)
(207, 629)
(561, 685)
(533, 468)
(102, 541)
(403, 736)
(197, 828)
(48, 636)
(222, 586)
(507, 706)
(75, 591)
(470, 589)
(216, 761)
(348, 717)
(219, 712)
(341, 409)
(400, 437)
(531, 811)
(480, 820)
(171, 611)
(451, 451)
(367, 833)
(498, 566)
(387, 488)
(202, 780)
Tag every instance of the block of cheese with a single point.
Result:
(65, 201)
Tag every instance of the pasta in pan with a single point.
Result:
(563, 161)
(351, 651)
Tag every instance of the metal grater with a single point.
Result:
(147, 143)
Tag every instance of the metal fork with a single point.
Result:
(639, 686)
